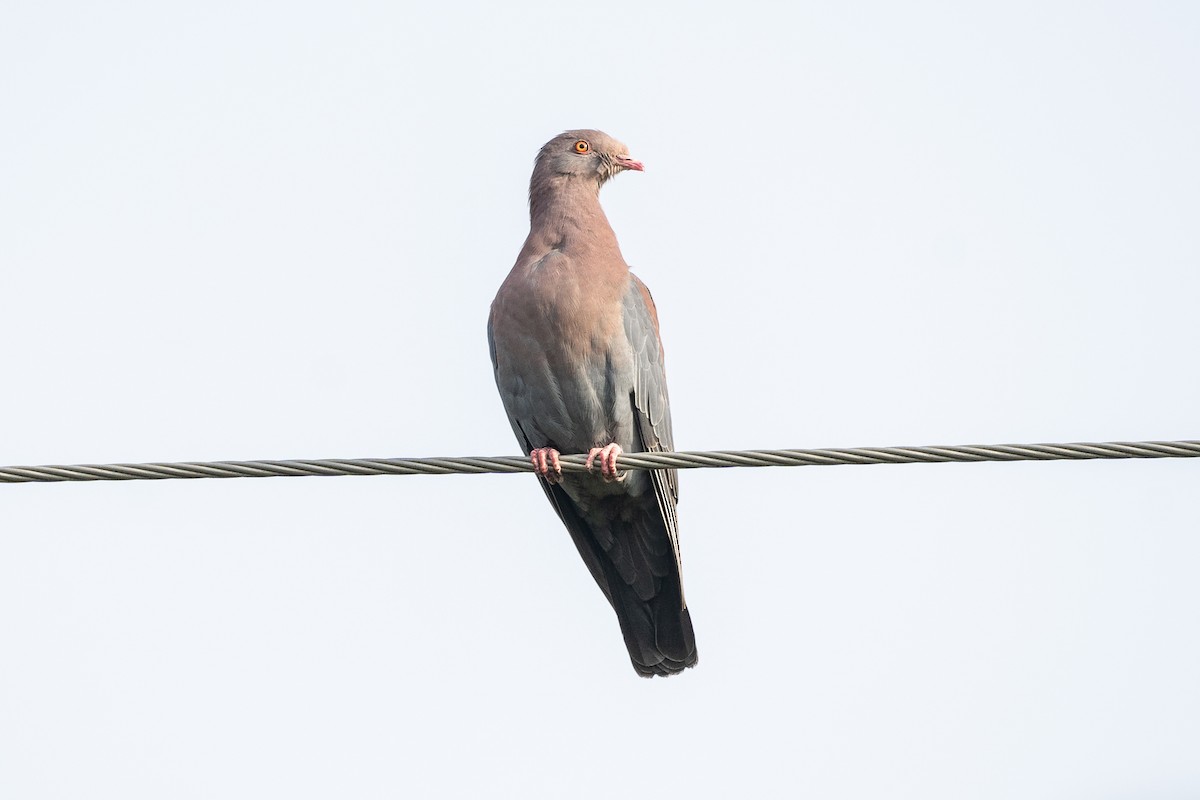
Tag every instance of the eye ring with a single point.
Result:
(582, 146)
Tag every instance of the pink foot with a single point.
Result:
(608, 461)
(545, 463)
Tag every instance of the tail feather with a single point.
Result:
(630, 555)
(658, 633)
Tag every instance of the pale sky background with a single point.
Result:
(239, 230)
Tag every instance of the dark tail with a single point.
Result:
(658, 633)
(633, 562)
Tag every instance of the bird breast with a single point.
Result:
(563, 359)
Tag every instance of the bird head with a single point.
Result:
(584, 155)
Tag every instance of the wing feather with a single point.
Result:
(652, 411)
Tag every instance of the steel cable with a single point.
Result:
(575, 463)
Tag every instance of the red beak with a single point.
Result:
(629, 163)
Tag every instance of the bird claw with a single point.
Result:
(608, 461)
(545, 464)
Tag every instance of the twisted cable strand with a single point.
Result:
(575, 463)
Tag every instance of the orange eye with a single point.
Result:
(582, 147)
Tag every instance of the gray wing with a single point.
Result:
(652, 407)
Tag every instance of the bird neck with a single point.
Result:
(565, 213)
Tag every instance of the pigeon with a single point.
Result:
(578, 361)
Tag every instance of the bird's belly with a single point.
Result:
(571, 401)
(582, 406)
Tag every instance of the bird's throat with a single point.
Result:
(565, 214)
